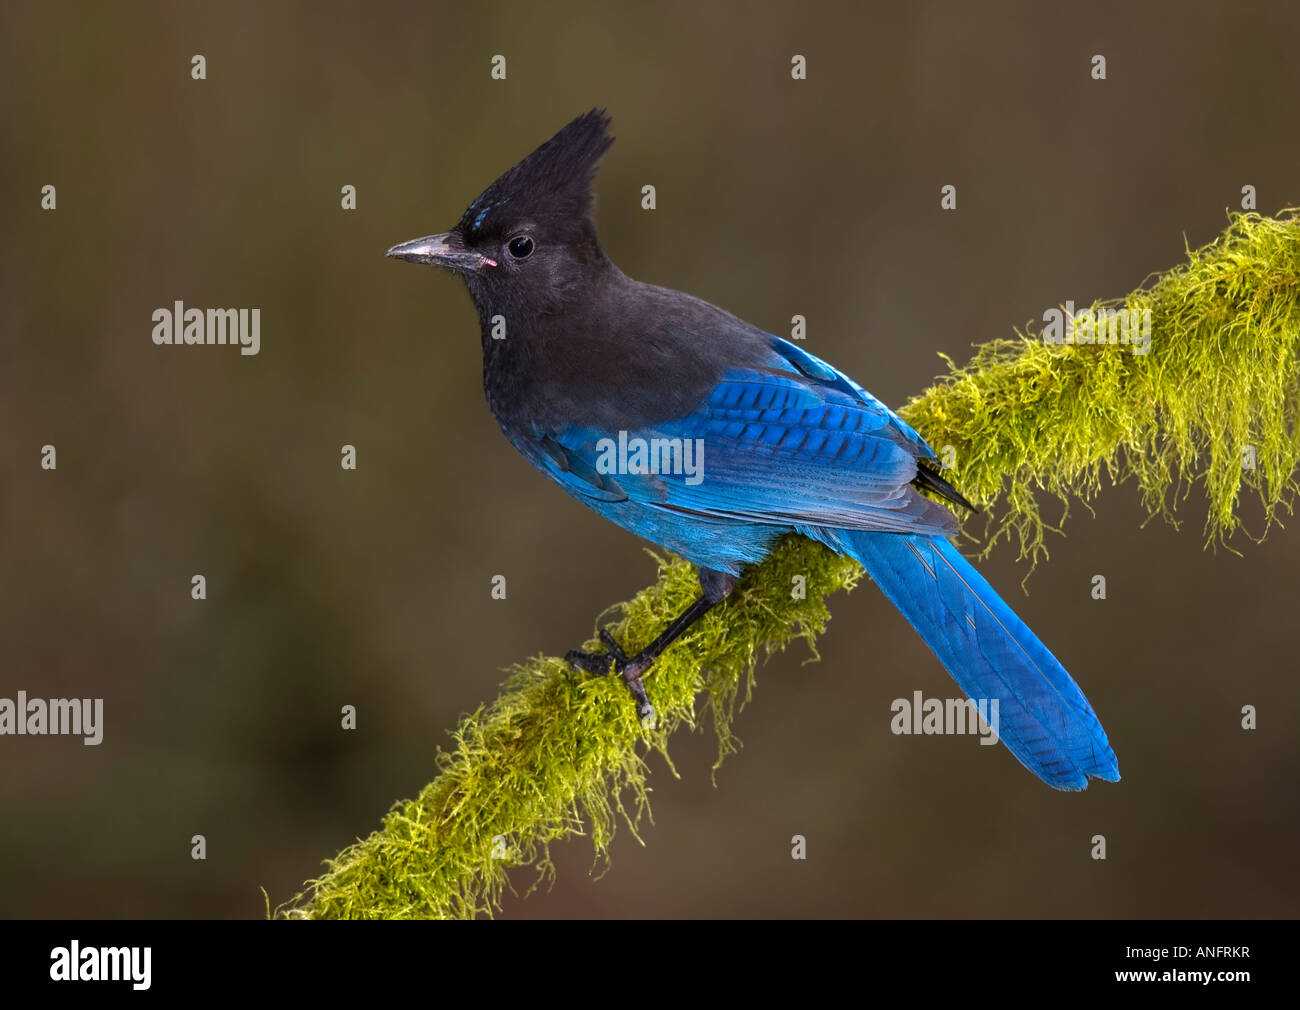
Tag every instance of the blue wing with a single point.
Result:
(791, 442)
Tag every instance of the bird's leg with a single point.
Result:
(716, 587)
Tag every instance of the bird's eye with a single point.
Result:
(521, 247)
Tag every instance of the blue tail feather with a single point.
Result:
(1045, 720)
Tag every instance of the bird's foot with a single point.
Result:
(598, 663)
(631, 669)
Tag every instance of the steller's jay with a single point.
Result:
(710, 437)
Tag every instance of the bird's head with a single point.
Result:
(528, 242)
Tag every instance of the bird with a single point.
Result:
(713, 438)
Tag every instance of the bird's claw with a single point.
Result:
(629, 668)
(598, 663)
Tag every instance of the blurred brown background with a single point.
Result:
(371, 588)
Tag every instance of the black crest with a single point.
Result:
(550, 186)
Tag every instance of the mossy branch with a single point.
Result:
(558, 755)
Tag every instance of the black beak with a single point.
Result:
(446, 250)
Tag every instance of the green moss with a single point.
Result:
(558, 755)
(1026, 416)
